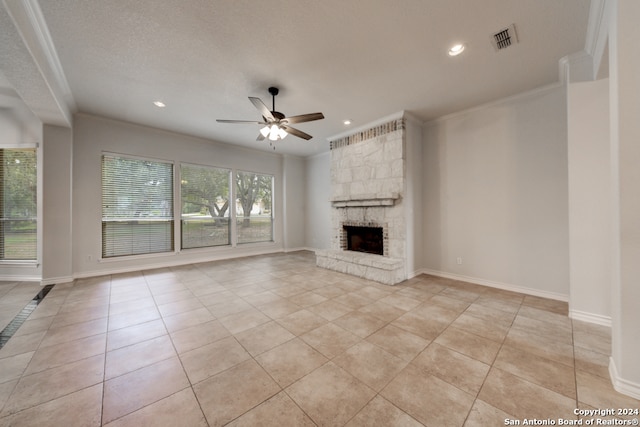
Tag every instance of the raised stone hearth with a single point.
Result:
(368, 180)
(388, 271)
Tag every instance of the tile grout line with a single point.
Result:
(106, 348)
(441, 332)
(184, 370)
(575, 367)
(493, 362)
(30, 307)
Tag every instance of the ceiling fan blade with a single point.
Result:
(257, 102)
(260, 137)
(296, 132)
(304, 118)
(240, 121)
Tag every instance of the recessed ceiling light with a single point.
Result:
(346, 122)
(456, 49)
(159, 104)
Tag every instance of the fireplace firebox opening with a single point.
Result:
(365, 239)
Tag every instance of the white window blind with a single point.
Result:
(205, 206)
(18, 204)
(137, 206)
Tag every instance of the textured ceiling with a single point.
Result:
(356, 59)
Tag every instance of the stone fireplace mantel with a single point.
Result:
(365, 200)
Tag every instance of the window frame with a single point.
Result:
(176, 209)
(172, 209)
(230, 208)
(38, 205)
(273, 217)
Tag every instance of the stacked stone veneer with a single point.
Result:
(367, 185)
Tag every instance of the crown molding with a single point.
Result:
(597, 36)
(577, 67)
(519, 96)
(30, 23)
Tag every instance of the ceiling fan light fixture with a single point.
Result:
(274, 133)
(282, 133)
(456, 50)
(265, 131)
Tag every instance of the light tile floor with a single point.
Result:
(274, 340)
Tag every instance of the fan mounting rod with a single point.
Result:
(277, 114)
(273, 91)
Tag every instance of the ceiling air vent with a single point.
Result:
(504, 38)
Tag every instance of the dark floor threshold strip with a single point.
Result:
(20, 318)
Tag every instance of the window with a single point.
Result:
(254, 216)
(18, 204)
(205, 206)
(137, 206)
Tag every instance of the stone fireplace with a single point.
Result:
(368, 192)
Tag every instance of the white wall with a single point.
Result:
(294, 183)
(413, 195)
(318, 205)
(18, 125)
(495, 194)
(624, 66)
(94, 135)
(57, 219)
(589, 197)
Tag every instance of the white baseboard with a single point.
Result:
(16, 278)
(598, 319)
(498, 285)
(56, 280)
(170, 262)
(287, 250)
(621, 385)
(413, 274)
(179, 260)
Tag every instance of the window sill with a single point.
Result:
(18, 263)
(136, 257)
(190, 251)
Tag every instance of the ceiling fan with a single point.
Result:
(276, 124)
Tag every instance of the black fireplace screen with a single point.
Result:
(365, 239)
